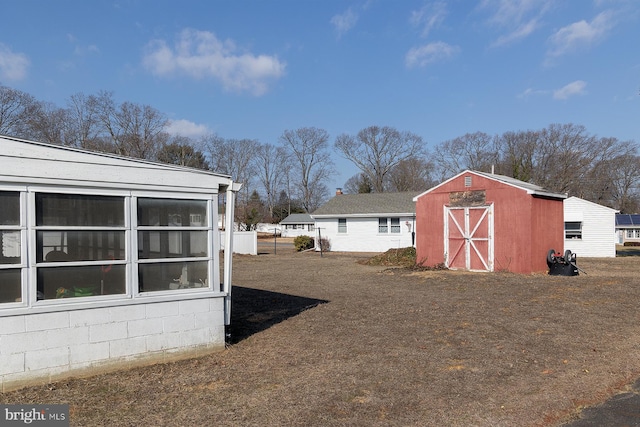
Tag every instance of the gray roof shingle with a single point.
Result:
(368, 203)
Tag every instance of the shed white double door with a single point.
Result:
(468, 238)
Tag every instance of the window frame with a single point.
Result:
(29, 249)
(34, 228)
(573, 233)
(210, 258)
(342, 226)
(23, 265)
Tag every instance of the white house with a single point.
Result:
(367, 222)
(589, 228)
(628, 228)
(298, 225)
(106, 261)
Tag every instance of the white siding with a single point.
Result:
(362, 234)
(598, 228)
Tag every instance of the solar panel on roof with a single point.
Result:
(635, 219)
(623, 219)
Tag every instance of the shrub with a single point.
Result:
(325, 245)
(302, 243)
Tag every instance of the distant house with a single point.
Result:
(628, 228)
(589, 228)
(485, 222)
(367, 222)
(298, 225)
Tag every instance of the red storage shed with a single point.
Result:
(485, 222)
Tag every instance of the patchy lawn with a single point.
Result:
(328, 341)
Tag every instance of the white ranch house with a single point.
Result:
(589, 228)
(368, 222)
(107, 262)
(298, 225)
(628, 228)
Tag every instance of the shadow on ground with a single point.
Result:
(254, 310)
(628, 251)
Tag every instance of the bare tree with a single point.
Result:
(47, 123)
(135, 130)
(412, 174)
(83, 126)
(180, 151)
(516, 154)
(311, 164)
(626, 184)
(376, 150)
(270, 162)
(16, 109)
(475, 151)
(358, 183)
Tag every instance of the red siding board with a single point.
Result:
(525, 226)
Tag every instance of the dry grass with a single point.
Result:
(332, 342)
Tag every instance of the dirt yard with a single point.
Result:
(326, 341)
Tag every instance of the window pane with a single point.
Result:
(172, 275)
(395, 225)
(382, 225)
(57, 246)
(572, 225)
(172, 213)
(10, 243)
(172, 244)
(9, 208)
(342, 225)
(81, 281)
(10, 285)
(79, 210)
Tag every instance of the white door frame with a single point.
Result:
(468, 235)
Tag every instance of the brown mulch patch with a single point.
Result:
(328, 341)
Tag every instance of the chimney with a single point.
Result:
(338, 191)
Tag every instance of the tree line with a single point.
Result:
(290, 175)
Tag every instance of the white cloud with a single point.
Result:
(429, 17)
(430, 53)
(200, 54)
(532, 92)
(519, 18)
(13, 66)
(344, 22)
(581, 34)
(572, 89)
(187, 128)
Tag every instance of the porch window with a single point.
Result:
(11, 244)
(80, 245)
(342, 225)
(573, 230)
(633, 234)
(173, 249)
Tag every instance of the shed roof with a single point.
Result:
(368, 204)
(298, 218)
(526, 186)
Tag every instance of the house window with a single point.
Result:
(172, 249)
(342, 225)
(573, 230)
(80, 245)
(11, 244)
(395, 225)
(311, 227)
(633, 234)
(382, 225)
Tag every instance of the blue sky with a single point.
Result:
(252, 69)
